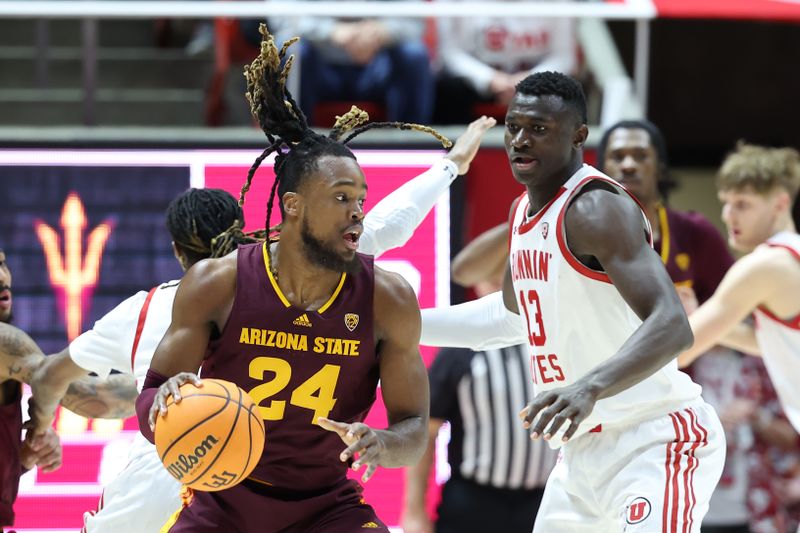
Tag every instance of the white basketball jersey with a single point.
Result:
(576, 318)
(779, 341)
(125, 340)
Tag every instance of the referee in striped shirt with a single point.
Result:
(497, 473)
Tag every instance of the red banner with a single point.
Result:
(783, 10)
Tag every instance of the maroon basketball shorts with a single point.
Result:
(254, 508)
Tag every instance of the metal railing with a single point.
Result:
(639, 11)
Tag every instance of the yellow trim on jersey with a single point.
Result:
(266, 483)
(685, 283)
(171, 522)
(334, 295)
(278, 291)
(272, 278)
(187, 495)
(662, 221)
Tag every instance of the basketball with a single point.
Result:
(213, 438)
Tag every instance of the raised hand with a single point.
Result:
(555, 407)
(171, 387)
(362, 440)
(466, 146)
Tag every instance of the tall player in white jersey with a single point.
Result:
(641, 450)
(757, 187)
(144, 495)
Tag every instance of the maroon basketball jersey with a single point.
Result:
(299, 365)
(10, 441)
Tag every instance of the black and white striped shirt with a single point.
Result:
(480, 394)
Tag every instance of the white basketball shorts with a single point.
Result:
(656, 476)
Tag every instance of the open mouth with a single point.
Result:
(524, 162)
(5, 299)
(351, 236)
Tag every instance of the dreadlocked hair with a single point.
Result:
(200, 222)
(298, 147)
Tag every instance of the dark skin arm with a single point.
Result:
(21, 358)
(57, 379)
(606, 230)
(482, 259)
(202, 304)
(404, 384)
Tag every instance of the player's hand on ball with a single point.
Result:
(573, 403)
(171, 387)
(361, 440)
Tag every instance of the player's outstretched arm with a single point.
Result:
(751, 281)
(59, 380)
(609, 227)
(391, 223)
(404, 384)
(110, 397)
(202, 304)
(484, 258)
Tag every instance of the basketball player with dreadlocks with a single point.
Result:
(311, 284)
(205, 223)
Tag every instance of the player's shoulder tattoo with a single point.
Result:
(17, 353)
(16, 343)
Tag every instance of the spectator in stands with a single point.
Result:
(483, 58)
(497, 472)
(382, 60)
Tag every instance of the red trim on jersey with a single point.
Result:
(794, 252)
(514, 207)
(560, 232)
(791, 323)
(528, 225)
(140, 324)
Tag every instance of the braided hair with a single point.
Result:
(207, 223)
(298, 147)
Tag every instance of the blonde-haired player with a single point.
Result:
(144, 495)
(757, 186)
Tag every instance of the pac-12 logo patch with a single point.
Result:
(545, 229)
(638, 510)
(351, 321)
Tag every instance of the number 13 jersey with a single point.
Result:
(299, 365)
(575, 316)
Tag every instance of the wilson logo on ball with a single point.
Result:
(185, 463)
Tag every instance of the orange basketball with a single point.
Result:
(213, 438)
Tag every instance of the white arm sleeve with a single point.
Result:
(393, 220)
(481, 324)
(108, 344)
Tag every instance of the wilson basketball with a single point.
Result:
(213, 438)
